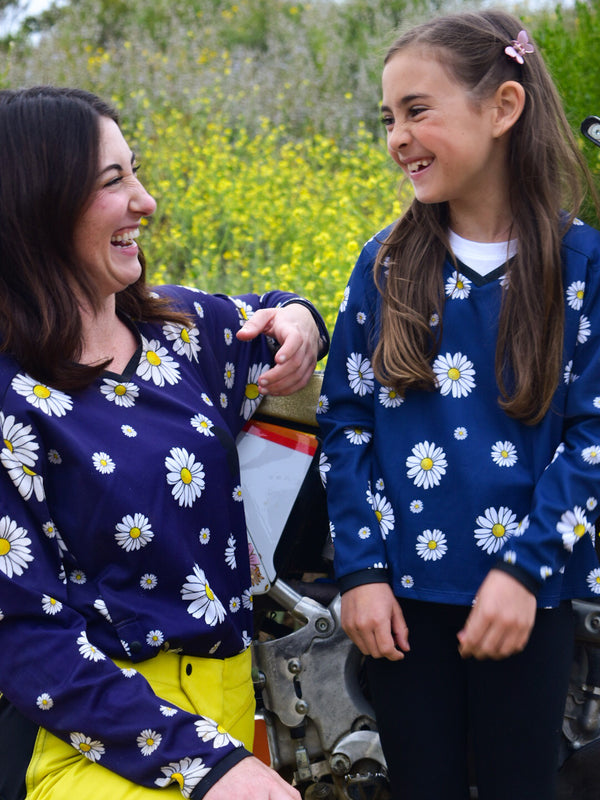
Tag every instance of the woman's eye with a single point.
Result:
(113, 182)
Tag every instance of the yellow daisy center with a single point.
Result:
(498, 530)
(209, 592)
(8, 445)
(153, 358)
(426, 463)
(150, 742)
(392, 395)
(178, 778)
(220, 729)
(135, 533)
(186, 475)
(41, 391)
(432, 544)
(379, 515)
(27, 471)
(579, 530)
(453, 374)
(52, 601)
(4, 547)
(251, 391)
(580, 294)
(84, 747)
(460, 285)
(185, 336)
(120, 390)
(597, 578)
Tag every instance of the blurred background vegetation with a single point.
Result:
(256, 122)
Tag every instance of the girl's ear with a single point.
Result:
(509, 101)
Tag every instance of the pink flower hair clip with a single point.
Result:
(519, 47)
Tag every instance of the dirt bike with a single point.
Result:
(315, 723)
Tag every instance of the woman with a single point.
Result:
(124, 579)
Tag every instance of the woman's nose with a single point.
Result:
(143, 202)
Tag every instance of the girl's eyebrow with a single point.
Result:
(118, 167)
(407, 99)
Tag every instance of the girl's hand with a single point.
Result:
(501, 619)
(373, 619)
(250, 779)
(296, 331)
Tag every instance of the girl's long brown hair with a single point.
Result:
(49, 150)
(548, 174)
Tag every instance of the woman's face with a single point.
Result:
(105, 235)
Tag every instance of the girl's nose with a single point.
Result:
(398, 137)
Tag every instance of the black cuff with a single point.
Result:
(371, 575)
(520, 575)
(319, 322)
(217, 772)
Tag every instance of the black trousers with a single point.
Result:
(441, 717)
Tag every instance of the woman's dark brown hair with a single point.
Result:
(49, 153)
(548, 175)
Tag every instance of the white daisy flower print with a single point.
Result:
(509, 557)
(431, 545)
(559, 451)
(596, 402)
(92, 749)
(204, 535)
(364, 532)
(407, 581)
(545, 572)
(155, 638)
(228, 336)
(237, 494)
(457, 286)
(322, 404)
(496, 526)
(345, 298)
(50, 605)
(230, 552)
(360, 374)
(167, 711)
(19, 441)
(361, 317)
(202, 424)
(185, 340)
(568, 374)
(54, 456)
(454, 374)
(103, 463)
(148, 581)
(88, 650)
(101, 608)
(229, 374)
(120, 393)
(324, 467)
(202, 602)
(209, 731)
(252, 395)
(593, 580)
(44, 702)
(24, 478)
(78, 576)
(416, 506)
(573, 526)
(389, 398)
(358, 435)
(186, 773)
(133, 532)
(591, 503)
(198, 309)
(384, 512)
(15, 553)
(185, 475)
(50, 401)
(206, 399)
(156, 364)
(127, 430)
(244, 310)
(223, 400)
(504, 454)
(128, 672)
(591, 454)
(235, 604)
(427, 464)
(460, 434)
(522, 526)
(148, 741)
(584, 330)
(434, 320)
(575, 295)
(248, 600)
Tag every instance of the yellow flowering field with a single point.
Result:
(243, 213)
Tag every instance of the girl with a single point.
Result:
(462, 418)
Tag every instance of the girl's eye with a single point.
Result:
(414, 111)
(387, 122)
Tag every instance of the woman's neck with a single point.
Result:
(105, 336)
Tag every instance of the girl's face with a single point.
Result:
(105, 234)
(443, 142)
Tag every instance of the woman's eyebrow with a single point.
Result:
(118, 167)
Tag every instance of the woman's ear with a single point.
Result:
(509, 101)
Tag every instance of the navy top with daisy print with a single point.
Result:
(431, 490)
(122, 533)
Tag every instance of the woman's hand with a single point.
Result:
(373, 619)
(296, 331)
(501, 619)
(250, 779)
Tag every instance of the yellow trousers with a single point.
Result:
(219, 689)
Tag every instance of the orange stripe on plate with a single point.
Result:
(295, 440)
